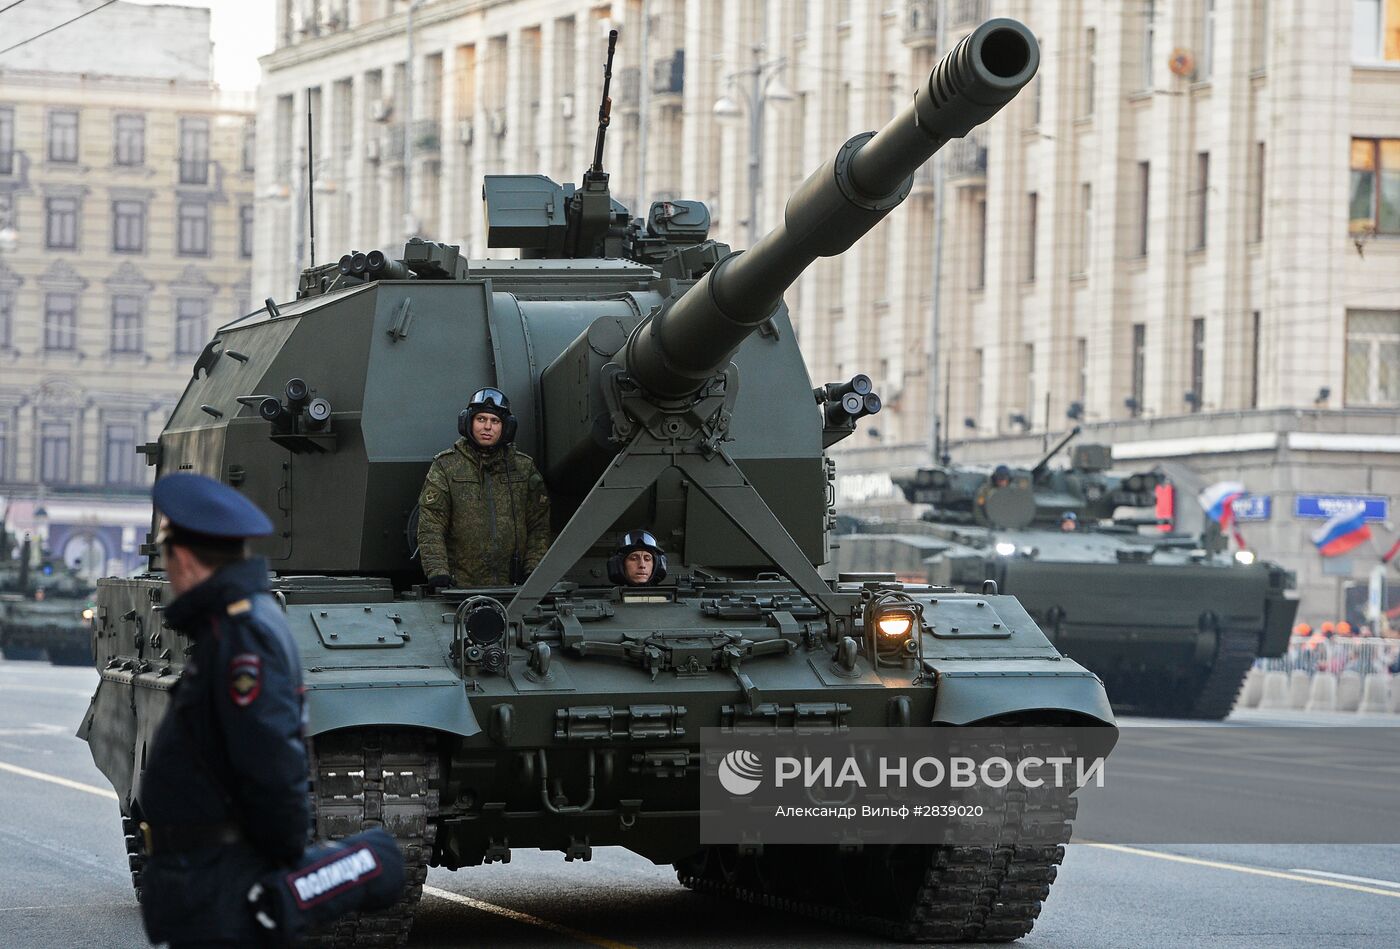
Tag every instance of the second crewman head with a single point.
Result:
(487, 421)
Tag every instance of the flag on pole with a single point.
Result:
(1219, 499)
(1345, 530)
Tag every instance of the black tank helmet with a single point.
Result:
(493, 401)
(637, 540)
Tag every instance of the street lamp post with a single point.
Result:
(762, 76)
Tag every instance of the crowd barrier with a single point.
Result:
(1331, 675)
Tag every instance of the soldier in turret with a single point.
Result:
(638, 560)
(484, 511)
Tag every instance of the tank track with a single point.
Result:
(1216, 696)
(135, 851)
(909, 892)
(1212, 696)
(377, 776)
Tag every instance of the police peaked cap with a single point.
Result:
(201, 505)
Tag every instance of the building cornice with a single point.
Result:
(370, 33)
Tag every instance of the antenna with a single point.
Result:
(947, 456)
(604, 108)
(311, 178)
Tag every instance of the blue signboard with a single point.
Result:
(1323, 506)
(1253, 507)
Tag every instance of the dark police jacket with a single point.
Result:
(228, 751)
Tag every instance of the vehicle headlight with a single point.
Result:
(87, 614)
(895, 624)
(1245, 557)
(1005, 549)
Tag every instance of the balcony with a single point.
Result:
(920, 23)
(668, 79)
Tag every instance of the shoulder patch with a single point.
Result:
(244, 678)
(239, 607)
(444, 453)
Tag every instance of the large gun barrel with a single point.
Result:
(672, 354)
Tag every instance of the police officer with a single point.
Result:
(223, 796)
(638, 560)
(483, 512)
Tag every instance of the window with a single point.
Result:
(63, 136)
(1198, 363)
(1256, 195)
(7, 318)
(130, 144)
(119, 454)
(1375, 31)
(7, 141)
(1144, 205)
(1206, 65)
(1081, 360)
(250, 146)
(1254, 361)
(1032, 200)
(1375, 186)
(190, 313)
(1134, 403)
(61, 223)
(128, 314)
(1259, 37)
(1090, 42)
(1202, 202)
(129, 226)
(1373, 357)
(194, 228)
(1149, 35)
(245, 231)
(1086, 227)
(60, 322)
(979, 270)
(54, 444)
(194, 151)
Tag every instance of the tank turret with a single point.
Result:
(1036, 496)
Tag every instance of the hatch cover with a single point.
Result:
(358, 627)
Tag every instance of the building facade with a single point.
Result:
(126, 211)
(1191, 215)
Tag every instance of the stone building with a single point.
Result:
(126, 210)
(1187, 223)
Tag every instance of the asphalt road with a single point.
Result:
(63, 879)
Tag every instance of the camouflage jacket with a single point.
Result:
(476, 509)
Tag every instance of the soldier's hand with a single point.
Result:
(437, 584)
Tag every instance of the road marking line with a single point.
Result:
(1347, 876)
(1239, 868)
(55, 779)
(47, 689)
(520, 917)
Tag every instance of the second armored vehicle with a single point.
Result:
(45, 609)
(1171, 622)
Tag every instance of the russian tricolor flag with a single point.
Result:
(1218, 500)
(1343, 531)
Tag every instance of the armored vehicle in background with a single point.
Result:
(45, 608)
(1171, 622)
(656, 379)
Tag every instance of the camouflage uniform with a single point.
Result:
(477, 507)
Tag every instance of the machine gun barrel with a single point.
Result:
(1044, 462)
(672, 354)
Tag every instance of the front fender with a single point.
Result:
(436, 705)
(972, 695)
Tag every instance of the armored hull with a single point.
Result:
(58, 626)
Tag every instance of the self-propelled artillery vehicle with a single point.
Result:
(1170, 621)
(656, 381)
